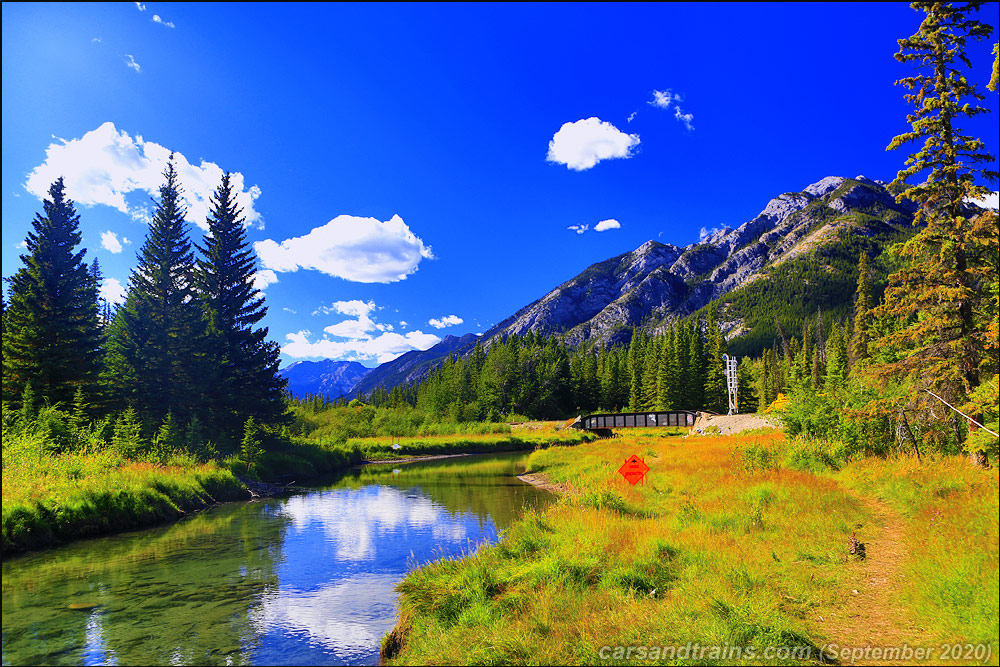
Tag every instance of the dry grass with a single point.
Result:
(719, 545)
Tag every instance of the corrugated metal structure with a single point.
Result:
(682, 418)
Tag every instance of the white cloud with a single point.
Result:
(289, 310)
(586, 142)
(157, 19)
(263, 278)
(132, 64)
(112, 291)
(447, 321)
(96, 40)
(992, 200)
(358, 249)
(383, 348)
(605, 225)
(358, 339)
(110, 242)
(105, 166)
(631, 117)
(685, 118)
(140, 6)
(579, 229)
(663, 98)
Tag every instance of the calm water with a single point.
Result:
(294, 581)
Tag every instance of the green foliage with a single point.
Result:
(250, 447)
(51, 337)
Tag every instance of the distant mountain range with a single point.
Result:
(326, 377)
(797, 256)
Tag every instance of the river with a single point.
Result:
(303, 580)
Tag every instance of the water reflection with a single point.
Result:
(303, 580)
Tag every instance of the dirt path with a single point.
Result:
(870, 612)
(707, 424)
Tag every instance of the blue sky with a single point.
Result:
(414, 171)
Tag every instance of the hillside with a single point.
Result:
(324, 377)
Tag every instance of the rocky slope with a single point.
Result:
(656, 283)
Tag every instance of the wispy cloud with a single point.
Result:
(584, 143)
(110, 242)
(132, 64)
(362, 250)
(579, 229)
(685, 118)
(664, 99)
(157, 19)
(141, 7)
(447, 321)
(106, 166)
(96, 40)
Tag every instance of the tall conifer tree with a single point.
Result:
(51, 338)
(243, 363)
(948, 264)
(155, 360)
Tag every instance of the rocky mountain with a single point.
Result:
(657, 283)
(325, 377)
(818, 229)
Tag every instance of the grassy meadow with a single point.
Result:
(729, 541)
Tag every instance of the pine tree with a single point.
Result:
(862, 311)
(716, 396)
(936, 296)
(242, 363)
(51, 336)
(154, 358)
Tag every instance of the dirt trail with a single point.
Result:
(870, 610)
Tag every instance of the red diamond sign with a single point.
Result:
(634, 469)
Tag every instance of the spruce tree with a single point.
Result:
(862, 311)
(242, 363)
(155, 361)
(51, 336)
(937, 296)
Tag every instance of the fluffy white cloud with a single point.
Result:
(605, 225)
(132, 64)
(358, 339)
(447, 321)
(263, 278)
(157, 19)
(110, 242)
(112, 291)
(382, 348)
(579, 229)
(586, 142)
(105, 166)
(362, 250)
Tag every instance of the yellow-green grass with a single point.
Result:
(720, 546)
(950, 512)
(49, 499)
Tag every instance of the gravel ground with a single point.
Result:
(707, 424)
